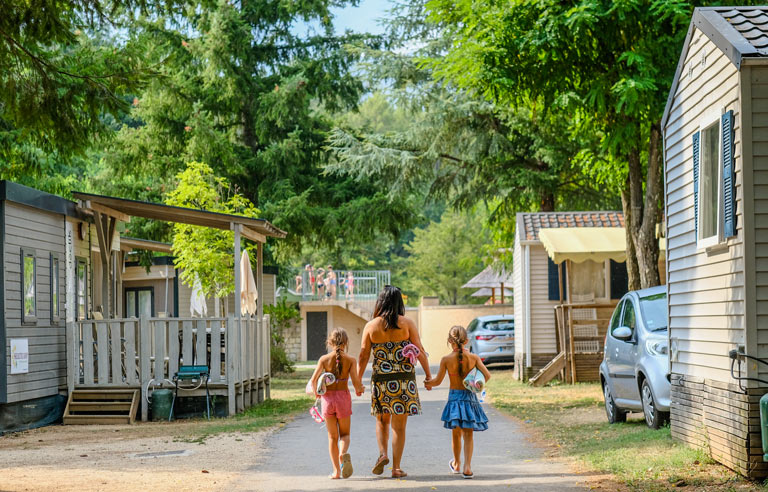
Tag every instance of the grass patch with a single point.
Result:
(287, 399)
(573, 418)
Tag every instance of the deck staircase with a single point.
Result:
(102, 406)
(548, 372)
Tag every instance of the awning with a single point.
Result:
(490, 277)
(579, 244)
(487, 292)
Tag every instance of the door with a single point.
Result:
(625, 356)
(317, 332)
(139, 301)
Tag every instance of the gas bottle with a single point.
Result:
(764, 424)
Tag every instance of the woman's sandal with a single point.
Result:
(378, 468)
(455, 470)
(468, 476)
(398, 473)
(346, 465)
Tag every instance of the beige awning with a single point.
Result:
(588, 243)
(579, 244)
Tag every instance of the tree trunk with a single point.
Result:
(642, 212)
(547, 203)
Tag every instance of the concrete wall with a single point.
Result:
(435, 321)
(338, 317)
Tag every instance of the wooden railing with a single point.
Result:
(138, 352)
(581, 329)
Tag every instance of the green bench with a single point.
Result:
(192, 373)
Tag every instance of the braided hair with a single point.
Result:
(458, 335)
(337, 341)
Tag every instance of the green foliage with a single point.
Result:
(282, 317)
(206, 253)
(446, 254)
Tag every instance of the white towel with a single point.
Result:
(248, 293)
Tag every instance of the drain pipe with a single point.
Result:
(527, 315)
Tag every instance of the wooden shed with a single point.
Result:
(715, 129)
(538, 284)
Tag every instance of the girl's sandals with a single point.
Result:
(346, 465)
(398, 473)
(468, 476)
(454, 470)
(378, 468)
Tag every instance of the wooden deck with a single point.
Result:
(139, 352)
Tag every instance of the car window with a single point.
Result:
(616, 316)
(472, 326)
(654, 310)
(629, 319)
(499, 325)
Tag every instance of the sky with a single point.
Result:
(361, 19)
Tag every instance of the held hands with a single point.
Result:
(359, 391)
(429, 383)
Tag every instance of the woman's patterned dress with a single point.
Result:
(393, 384)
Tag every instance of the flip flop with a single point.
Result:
(378, 468)
(468, 476)
(399, 474)
(455, 471)
(346, 465)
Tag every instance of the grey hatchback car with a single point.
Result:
(492, 338)
(636, 359)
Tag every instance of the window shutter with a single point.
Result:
(696, 138)
(554, 281)
(729, 190)
(619, 279)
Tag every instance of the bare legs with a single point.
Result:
(331, 423)
(344, 425)
(397, 423)
(469, 444)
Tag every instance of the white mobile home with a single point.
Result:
(715, 128)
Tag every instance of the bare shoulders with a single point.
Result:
(377, 333)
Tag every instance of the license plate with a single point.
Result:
(503, 348)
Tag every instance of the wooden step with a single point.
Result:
(548, 372)
(96, 419)
(107, 406)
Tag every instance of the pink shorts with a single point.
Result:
(337, 403)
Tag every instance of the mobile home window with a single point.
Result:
(29, 286)
(55, 288)
(82, 288)
(709, 186)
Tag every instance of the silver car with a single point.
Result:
(492, 338)
(636, 359)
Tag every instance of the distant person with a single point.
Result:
(332, 281)
(299, 283)
(320, 283)
(394, 395)
(350, 286)
(309, 268)
(337, 402)
(463, 413)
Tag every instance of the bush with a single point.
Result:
(282, 316)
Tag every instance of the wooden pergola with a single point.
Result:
(108, 210)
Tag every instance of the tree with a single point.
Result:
(446, 254)
(57, 78)
(241, 91)
(610, 62)
(205, 254)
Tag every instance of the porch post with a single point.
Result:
(238, 303)
(260, 280)
(502, 292)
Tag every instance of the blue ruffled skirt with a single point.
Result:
(463, 410)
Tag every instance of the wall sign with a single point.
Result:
(19, 355)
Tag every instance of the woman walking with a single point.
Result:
(393, 385)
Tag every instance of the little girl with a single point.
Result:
(463, 413)
(337, 402)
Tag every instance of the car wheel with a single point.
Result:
(653, 417)
(614, 413)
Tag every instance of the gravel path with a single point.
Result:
(504, 459)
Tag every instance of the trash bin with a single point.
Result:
(161, 404)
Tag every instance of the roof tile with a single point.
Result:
(535, 221)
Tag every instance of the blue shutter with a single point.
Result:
(619, 279)
(729, 190)
(555, 281)
(696, 138)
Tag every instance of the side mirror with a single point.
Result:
(622, 333)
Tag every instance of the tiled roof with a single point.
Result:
(751, 23)
(533, 222)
